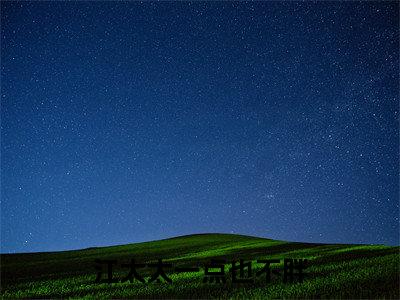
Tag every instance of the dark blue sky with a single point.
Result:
(128, 122)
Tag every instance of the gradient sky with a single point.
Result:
(129, 122)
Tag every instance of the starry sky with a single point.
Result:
(128, 122)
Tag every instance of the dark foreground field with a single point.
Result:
(334, 271)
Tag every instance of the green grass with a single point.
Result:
(334, 271)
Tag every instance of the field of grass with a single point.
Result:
(334, 271)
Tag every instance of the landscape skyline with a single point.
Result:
(128, 122)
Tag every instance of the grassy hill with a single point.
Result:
(334, 271)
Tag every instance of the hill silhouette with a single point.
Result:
(333, 270)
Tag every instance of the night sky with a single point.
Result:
(129, 122)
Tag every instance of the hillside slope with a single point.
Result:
(333, 271)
